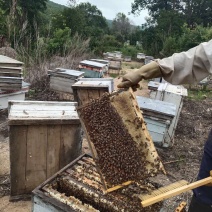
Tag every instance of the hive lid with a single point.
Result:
(41, 112)
(66, 73)
(175, 89)
(156, 106)
(101, 61)
(9, 61)
(92, 64)
(95, 83)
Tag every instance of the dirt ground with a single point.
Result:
(181, 161)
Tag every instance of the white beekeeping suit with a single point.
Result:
(188, 67)
(181, 68)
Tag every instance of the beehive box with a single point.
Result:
(44, 137)
(120, 142)
(172, 94)
(87, 89)
(78, 187)
(158, 115)
(10, 73)
(62, 79)
(92, 69)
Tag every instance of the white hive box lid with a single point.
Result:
(100, 61)
(68, 72)
(42, 112)
(92, 64)
(95, 83)
(175, 89)
(156, 106)
(7, 60)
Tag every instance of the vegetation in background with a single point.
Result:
(40, 30)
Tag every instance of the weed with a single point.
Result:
(114, 75)
(199, 94)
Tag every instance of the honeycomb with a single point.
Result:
(81, 188)
(121, 145)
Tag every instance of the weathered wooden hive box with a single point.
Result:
(175, 95)
(10, 73)
(158, 115)
(115, 66)
(44, 137)
(62, 79)
(106, 62)
(78, 187)
(119, 140)
(87, 89)
(127, 58)
(92, 69)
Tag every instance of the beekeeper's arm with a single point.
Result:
(181, 68)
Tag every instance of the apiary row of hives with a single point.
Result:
(78, 187)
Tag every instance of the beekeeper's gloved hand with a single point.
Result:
(148, 71)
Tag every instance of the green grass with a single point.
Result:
(114, 75)
(199, 94)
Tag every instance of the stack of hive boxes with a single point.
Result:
(12, 86)
(10, 74)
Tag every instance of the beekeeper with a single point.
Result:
(183, 68)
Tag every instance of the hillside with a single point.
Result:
(53, 8)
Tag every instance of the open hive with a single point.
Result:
(119, 140)
(78, 187)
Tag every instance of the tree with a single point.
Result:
(198, 12)
(85, 19)
(23, 19)
(121, 27)
(106, 44)
(193, 11)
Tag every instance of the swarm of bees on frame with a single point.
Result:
(119, 158)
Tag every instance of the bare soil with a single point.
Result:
(181, 161)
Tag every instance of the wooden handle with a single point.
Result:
(176, 191)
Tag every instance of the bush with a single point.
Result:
(130, 51)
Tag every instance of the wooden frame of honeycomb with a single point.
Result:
(119, 140)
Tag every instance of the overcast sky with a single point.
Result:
(110, 8)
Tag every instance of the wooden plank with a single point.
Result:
(176, 191)
(119, 186)
(10, 74)
(11, 69)
(56, 80)
(42, 107)
(53, 149)
(36, 156)
(102, 91)
(93, 94)
(71, 144)
(83, 97)
(43, 103)
(18, 149)
(44, 114)
(25, 121)
(62, 88)
(3, 64)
